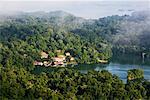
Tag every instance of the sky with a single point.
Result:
(83, 8)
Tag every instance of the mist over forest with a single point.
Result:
(66, 40)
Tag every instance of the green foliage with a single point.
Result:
(17, 83)
(135, 74)
(22, 42)
(22, 38)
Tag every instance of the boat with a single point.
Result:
(103, 61)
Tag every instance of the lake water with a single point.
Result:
(115, 68)
(119, 65)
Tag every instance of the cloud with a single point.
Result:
(84, 8)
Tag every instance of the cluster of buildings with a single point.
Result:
(59, 60)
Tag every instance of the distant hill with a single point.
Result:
(31, 33)
(59, 19)
(134, 31)
(127, 31)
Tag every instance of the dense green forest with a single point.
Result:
(17, 83)
(126, 34)
(24, 36)
(29, 36)
(87, 40)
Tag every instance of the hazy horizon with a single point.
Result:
(85, 9)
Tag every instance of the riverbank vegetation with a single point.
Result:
(17, 83)
(24, 36)
(25, 41)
